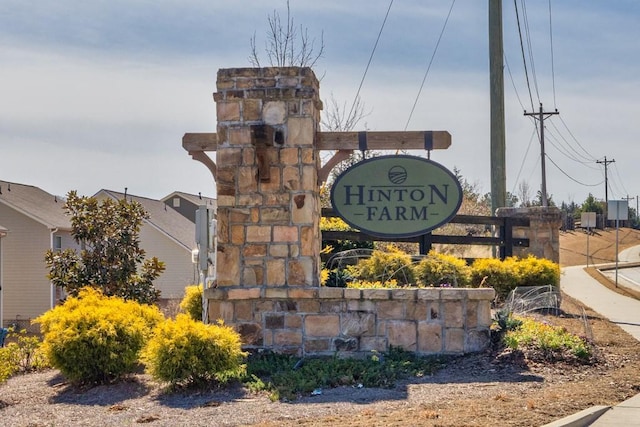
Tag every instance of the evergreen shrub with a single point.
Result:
(184, 352)
(191, 304)
(384, 265)
(437, 269)
(93, 338)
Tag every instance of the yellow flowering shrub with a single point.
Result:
(23, 354)
(438, 269)
(504, 276)
(384, 265)
(184, 352)
(191, 304)
(93, 338)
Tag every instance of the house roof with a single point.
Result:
(197, 200)
(162, 217)
(35, 203)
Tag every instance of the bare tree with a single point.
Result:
(338, 119)
(524, 193)
(287, 45)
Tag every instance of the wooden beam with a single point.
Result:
(200, 141)
(411, 140)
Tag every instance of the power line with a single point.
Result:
(355, 100)
(426, 73)
(553, 74)
(524, 60)
(570, 177)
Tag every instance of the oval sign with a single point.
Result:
(396, 196)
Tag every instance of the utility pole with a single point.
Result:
(541, 115)
(606, 163)
(496, 89)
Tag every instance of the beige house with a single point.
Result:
(33, 222)
(170, 237)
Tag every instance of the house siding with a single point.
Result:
(179, 273)
(26, 289)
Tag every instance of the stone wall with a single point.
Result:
(268, 259)
(267, 172)
(322, 321)
(543, 231)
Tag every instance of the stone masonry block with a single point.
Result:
(258, 233)
(300, 272)
(317, 345)
(303, 293)
(301, 131)
(373, 343)
(253, 275)
(303, 209)
(237, 234)
(276, 272)
(309, 178)
(251, 110)
(453, 314)
(330, 293)
(275, 293)
(228, 111)
(238, 135)
(279, 251)
(432, 294)
(454, 340)
(247, 179)
(282, 233)
(484, 314)
(403, 294)
(287, 337)
(255, 250)
(366, 306)
(243, 311)
(402, 334)
(357, 324)
(471, 314)
(322, 325)
(290, 156)
(291, 178)
(293, 321)
(390, 310)
(228, 262)
(221, 310)
(375, 294)
(429, 338)
(244, 294)
(417, 310)
(229, 156)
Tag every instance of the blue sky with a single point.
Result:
(97, 94)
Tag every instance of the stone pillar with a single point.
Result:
(267, 177)
(543, 231)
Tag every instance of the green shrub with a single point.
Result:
(191, 304)
(437, 269)
(532, 271)
(184, 352)
(504, 276)
(23, 354)
(384, 265)
(547, 342)
(93, 338)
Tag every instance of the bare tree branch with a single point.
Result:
(285, 45)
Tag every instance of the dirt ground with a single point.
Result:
(492, 388)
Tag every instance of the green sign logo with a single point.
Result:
(396, 196)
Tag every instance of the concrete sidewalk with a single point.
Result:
(621, 310)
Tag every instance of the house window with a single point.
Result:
(57, 243)
(176, 202)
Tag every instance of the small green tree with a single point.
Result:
(111, 258)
